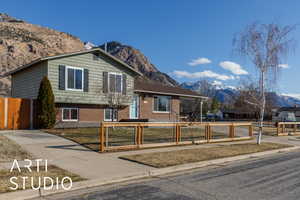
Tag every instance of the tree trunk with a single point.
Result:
(262, 106)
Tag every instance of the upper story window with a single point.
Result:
(161, 104)
(115, 83)
(74, 78)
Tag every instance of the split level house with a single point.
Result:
(92, 86)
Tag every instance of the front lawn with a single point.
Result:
(52, 172)
(9, 151)
(178, 157)
(89, 137)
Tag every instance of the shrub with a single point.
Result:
(46, 107)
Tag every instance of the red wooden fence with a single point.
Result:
(15, 113)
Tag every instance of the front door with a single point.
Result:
(134, 108)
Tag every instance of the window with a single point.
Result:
(74, 78)
(110, 113)
(115, 82)
(70, 114)
(161, 104)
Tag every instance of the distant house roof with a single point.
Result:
(72, 54)
(291, 109)
(145, 86)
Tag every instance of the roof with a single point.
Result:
(145, 86)
(289, 109)
(72, 54)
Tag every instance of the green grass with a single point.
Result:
(89, 137)
(178, 157)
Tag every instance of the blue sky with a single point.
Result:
(172, 34)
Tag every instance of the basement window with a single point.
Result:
(70, 114)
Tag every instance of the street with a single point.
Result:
(274, 177)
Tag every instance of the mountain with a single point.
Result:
(228, 94)
(22, 42)
(136, 59)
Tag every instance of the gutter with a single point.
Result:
(171, 94)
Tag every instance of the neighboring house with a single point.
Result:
(87, 85)
(285, 114)
(215, 116)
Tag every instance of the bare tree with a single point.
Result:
(265, 45)
(116, 101)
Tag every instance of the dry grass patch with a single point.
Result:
(89, 137)
(178, 157)
(53, 172)
(9, 151)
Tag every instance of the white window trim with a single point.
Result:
(115, 73)
(108, 120)
(153, 104)
(69, 120)
(66, 78)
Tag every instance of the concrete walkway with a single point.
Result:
(73, 157)
(92, 165)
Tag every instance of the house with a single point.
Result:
(92, 86)
(285, 114)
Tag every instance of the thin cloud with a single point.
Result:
(203, 74)
(199, 61)
(233, 67)
(284, 66)
(294, 95)
(217, 83)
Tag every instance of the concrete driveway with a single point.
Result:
(74, 157)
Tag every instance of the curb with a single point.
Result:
(28, 194)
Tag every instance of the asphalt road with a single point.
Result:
(276, 177)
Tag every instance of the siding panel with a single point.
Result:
(26, 83)
(96, 68)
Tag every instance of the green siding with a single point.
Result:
(96, 69)
(26, 83)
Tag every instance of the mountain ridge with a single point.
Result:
(22, 42)
(228, 94)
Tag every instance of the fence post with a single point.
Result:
(176, 133)
(138, 135)
(283, 128)
(295, 128)
(278, 128)
(207, 134)
(231, 131)
(142, 135)
(179, 133)
(251, 131)
(102, 130)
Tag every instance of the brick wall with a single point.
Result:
(146, 109)
(92, 115)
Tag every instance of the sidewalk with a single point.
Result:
(92, 165)
(101, 168)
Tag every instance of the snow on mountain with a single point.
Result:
(226, 94)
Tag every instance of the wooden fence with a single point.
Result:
(15, 113)
(287, 128)
(139, 129)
